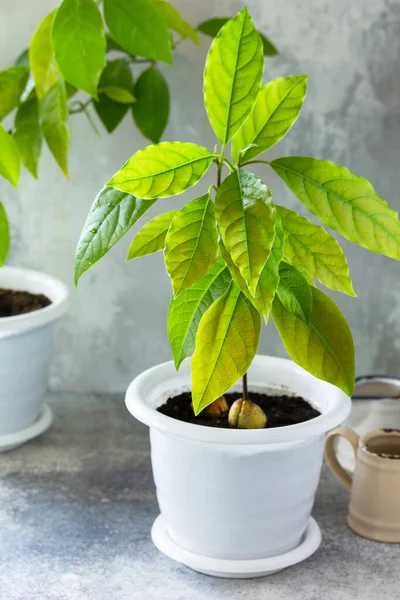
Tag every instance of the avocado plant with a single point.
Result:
(235, 256)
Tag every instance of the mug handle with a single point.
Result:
(330, 453)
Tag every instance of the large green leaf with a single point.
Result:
(191, 246)
(80, 44)
(41, 57)
(233, 75)
(276, 109)
(226, 343)
(187, 309)
(119, 94)
(176, 22)
(112, 214)
(294, 291)
(344, 201)
(151, 238)
(246, 221)
(12, 84)
(211, 27)
(54, 123)
(4, 235)
(311, 248)
(139, 28)
(9, 157)
(269, 278)
(28, 135)
(151, 109)
(322, 344)
(117, 73)
(163, 170)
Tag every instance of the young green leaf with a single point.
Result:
(116, 73)
(119, 94)
(9, 157)
(187, 309)
(12, 84)
(139, 28)
(79, 43)
(151, 109)
(211, 27)
(269, 278)
(294, 292)
(53, 110)
(233, 75)
(226, 343)
(41, 57)
(151, 238)
(246, 221)
(175, 21)
(163, 170)
(276, 109)
(310, 247)
(191, 245)
(343, 201)
(112, 214)
(28, 135)
(110, 113)
(323, 344)
(4, 235)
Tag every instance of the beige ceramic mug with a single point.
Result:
(374, 510)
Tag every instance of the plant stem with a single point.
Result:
(81, 106)
(225, 160)
(245, 390)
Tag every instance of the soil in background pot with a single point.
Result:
(280, 410)
(16, 302)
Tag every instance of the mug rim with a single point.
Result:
(366, 437)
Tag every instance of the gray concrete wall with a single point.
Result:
(117, 323)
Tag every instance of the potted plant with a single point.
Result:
(236, 474)
(101, 61)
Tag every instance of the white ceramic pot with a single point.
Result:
(25, 355)
(236, 495)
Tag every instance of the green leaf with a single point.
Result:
(276, 109)
(175, 21)
(187, 309)
(80, 44)
(226, 343)
(12, 84)
(268, 47)
(191, 246)
(163, 170)
(112, 214)
(4, 235)
(110, 113)
(323, 344)
(151, 238)
(294, 292)
(9, 158)
(138, 27)
(112, 44)
(28, 135)
(311, 248)
(232, 75)
(246, 221)
(343, 201)
(54, 123)
(41, 57)
(116, 73)
(22, 59)
(269, 278)
(119, 94)
(151, 109)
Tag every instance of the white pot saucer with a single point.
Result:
(236, 569)
(13, 440)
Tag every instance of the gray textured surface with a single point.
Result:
(116, 327)
(76, 507)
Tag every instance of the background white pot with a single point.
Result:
(25, 355)
(236, 494)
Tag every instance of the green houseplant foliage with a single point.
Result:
(234, 256)
(108, 52)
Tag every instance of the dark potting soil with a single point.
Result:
(16, 302)
(280, 410)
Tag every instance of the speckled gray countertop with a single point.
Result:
(77, 505)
